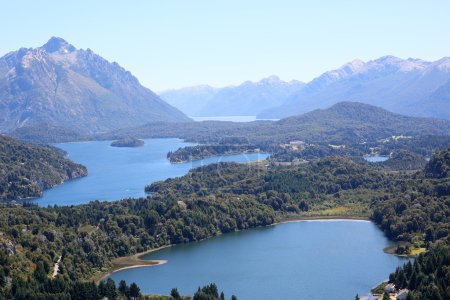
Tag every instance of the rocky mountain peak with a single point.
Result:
(57, 44)
(273, 79)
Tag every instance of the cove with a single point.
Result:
(117, 173)
(312, 260)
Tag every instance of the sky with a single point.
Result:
(177, 43)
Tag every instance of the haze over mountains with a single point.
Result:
(60, 85)
(412, 86)
(407, 86)
(246, 99)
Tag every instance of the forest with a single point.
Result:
(26, 169)
(202, 151)
(409, 207)
(128, 142)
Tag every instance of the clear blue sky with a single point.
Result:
(170, 44)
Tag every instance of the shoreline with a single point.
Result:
(221, 155)
(322, 219)
(136, 261)
(130, 262)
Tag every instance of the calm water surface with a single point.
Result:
(116, 173)
(231, 119)
(376, 158)
(314, 260)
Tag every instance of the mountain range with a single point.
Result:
(60, 85)
(408, 86)
(247, 99)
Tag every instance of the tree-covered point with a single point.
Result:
(404, 160)
(202, 151)
(128, 142)
(26, 169)
(428, 277)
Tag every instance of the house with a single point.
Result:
(297, 145)
(369, 297)
(389, 288)
(402, 294)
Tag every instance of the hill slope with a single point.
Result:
(26, 170)
(346, 122)
(60, 85)
(246, 99)
(412, 87)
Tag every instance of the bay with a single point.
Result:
(312, 260)
(116, 173)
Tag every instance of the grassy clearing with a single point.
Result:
(416, 251)
(87, 229)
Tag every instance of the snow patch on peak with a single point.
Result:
(57, 44)
(273, 79)
(443, 64)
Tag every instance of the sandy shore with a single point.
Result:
(322, 219)
(130, 262)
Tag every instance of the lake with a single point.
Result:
(312, 260)
(231, 119)
(117, 173)
(376, 159)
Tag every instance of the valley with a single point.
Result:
(158, 157)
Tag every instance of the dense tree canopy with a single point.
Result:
(26, 170)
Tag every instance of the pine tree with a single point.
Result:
(135, 291)
(175, 294)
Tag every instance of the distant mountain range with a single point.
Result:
(246, 99)
(59, 85)
(407, 86)
(411, 87)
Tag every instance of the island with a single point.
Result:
(128, 142)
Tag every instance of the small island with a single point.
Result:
(128, 142)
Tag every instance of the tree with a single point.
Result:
(357, 297)
(40, 273)
(135, 291)
(175, 294)
(385, 296)
(110, 289)
(123, 288)
(234, 297)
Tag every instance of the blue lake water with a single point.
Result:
(116, 173)
(307, 260)
(376, 158)
(312, 260)
(231, 119)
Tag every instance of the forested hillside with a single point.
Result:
(26, 170)
(346, 122)
(215, 199)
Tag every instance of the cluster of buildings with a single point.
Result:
(295, 145)
(394, 294)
